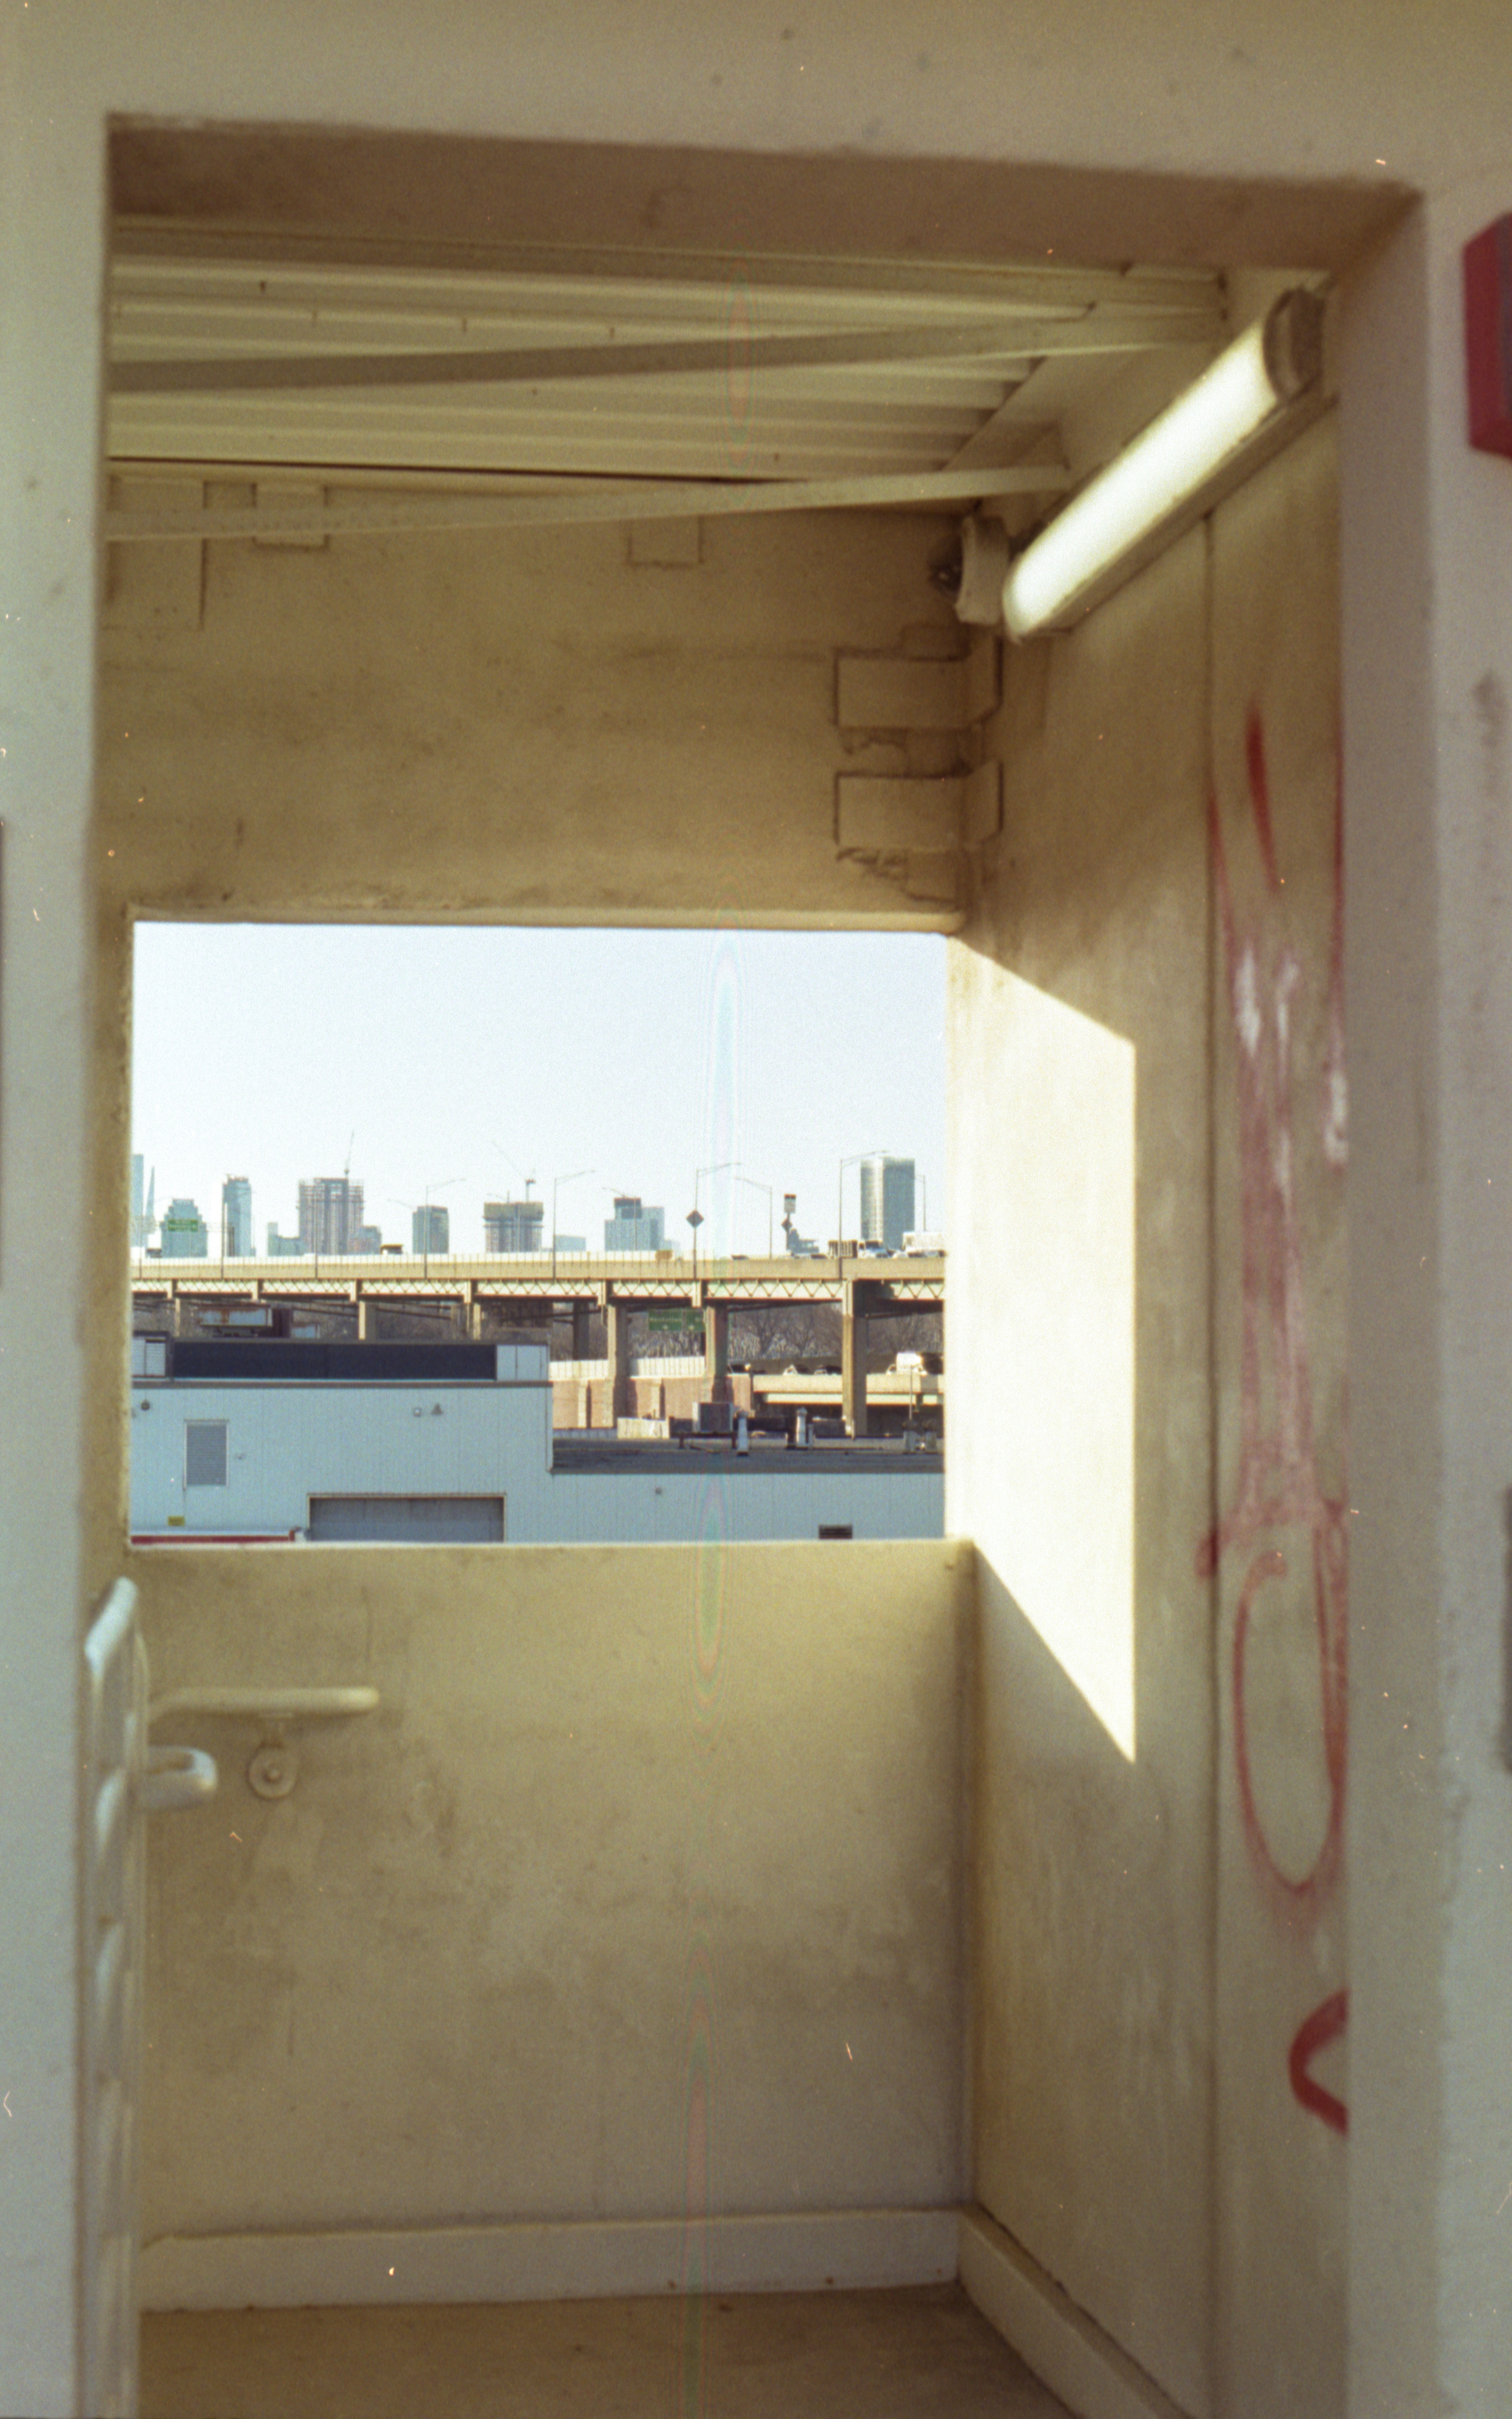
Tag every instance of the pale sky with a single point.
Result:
(468, 1060)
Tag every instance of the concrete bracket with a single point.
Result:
(923, 829)
(910, 691)
(880, 815)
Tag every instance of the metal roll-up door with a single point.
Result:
(407, 1520)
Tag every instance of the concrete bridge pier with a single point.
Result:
(717, 1350)
(617, 1320)
(855, 1300)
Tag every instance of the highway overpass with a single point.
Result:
(864, 1287)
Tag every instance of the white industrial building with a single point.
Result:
(268, 1456)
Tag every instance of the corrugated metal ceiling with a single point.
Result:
(576, 366)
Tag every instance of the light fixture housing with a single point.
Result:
(1246, 405)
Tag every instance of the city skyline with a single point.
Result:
(617, 1062)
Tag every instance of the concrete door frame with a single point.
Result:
(1423, 546)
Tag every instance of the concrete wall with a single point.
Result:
(1259, 134)
(1429, 885)
(1149, 989)
(293, 737)
(51, 207)
(1080, 996)
(640, 1899)
(1282, 1516)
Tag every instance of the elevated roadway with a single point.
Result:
(863, 1287)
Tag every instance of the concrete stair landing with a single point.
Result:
(920, 2353)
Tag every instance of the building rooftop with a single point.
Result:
(576, 1450)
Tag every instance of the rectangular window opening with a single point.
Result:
(613, 1225)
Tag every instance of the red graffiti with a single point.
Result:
(1259, 791)
(1278, 1486)
(1323, 2025)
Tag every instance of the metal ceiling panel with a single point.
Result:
(656, 410)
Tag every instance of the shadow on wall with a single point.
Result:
(1094, 2031)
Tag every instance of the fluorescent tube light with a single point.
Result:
(1166, 472)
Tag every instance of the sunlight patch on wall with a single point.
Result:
(1042, 1217)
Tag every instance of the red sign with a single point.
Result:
(1488, 336)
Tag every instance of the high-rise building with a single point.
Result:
(184, 1233)
(144, 1223)
(236, 1219)
(513, 1225)
(331, 1214)
(634, 1227)
(283, 1247)
(887, 1201)
(430, 1229)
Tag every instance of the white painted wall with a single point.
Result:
(286, 1442)
(731, 1500)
